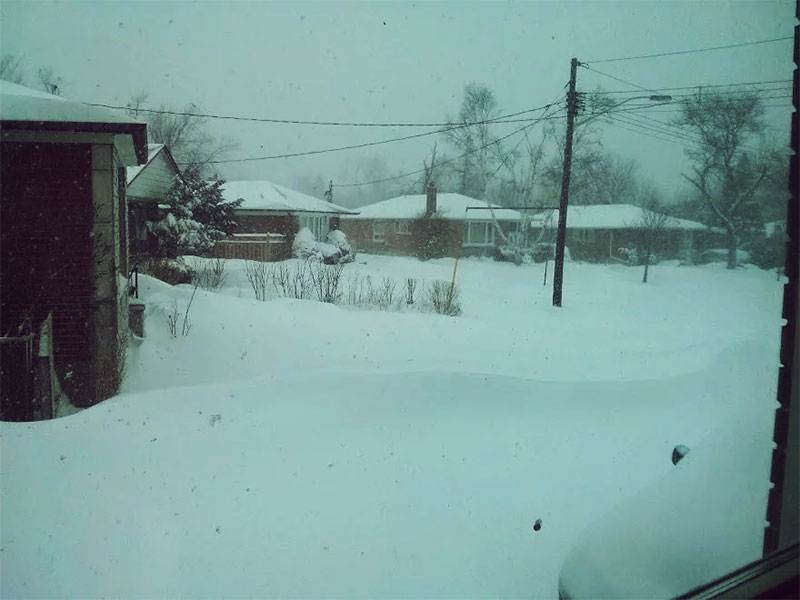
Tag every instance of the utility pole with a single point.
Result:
(561, 234)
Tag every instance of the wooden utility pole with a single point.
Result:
(561, 234)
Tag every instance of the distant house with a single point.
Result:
(598, 231)
(64, 251)
(273, 214)
(394, 225)
(147, 186)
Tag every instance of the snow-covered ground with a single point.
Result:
(291, 448)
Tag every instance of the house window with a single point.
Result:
(317, 224)
(582, 235)
(479, 234)
(378, 231)
(401, 227)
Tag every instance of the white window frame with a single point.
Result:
(319, 225)
(401, 228)
(582, 235)
(378, 231)
(488, 233)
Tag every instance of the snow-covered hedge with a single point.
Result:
(336, 250)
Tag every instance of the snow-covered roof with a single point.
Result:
(448, 206)
(268, 196)
(612, 216)
(25, 108)
(152, 152)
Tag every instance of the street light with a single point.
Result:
(653, 98)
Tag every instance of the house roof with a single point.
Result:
(25, 108)
(612, 216)
(153, 150)
(271, 197)
(448, 206)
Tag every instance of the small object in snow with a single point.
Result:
(218, 529)
(62, 457)
(214, 419)
(537, 525)
(678, 453)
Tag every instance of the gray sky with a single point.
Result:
(388, 62)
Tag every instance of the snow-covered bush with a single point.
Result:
(208, 274)
(169, 270)
(326, 281)
(509, 253)
(305, 246)
(383, 294)
(538, 252)
(258, 275)
(631, 256)
(336, 250)
(198, 216)
(337, 238)
(634, 258)
(445, 298)
(292, 279)
(411, 288)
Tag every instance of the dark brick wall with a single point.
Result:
(359, 232)
(46, 252)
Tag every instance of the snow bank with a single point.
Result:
(299, 449)
(702, 520)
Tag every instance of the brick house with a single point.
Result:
(63, 224)
(466, 226)
(273, 214)
(147, 186)
(597, 232)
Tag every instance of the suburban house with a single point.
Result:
(64, 251)
(269, 217)
(398, 225)
(597, 232)
(147, 186)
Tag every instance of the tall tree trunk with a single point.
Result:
(646, 263)
(732, 242)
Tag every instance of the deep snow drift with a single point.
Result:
(293, 448)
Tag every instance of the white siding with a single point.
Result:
(154, 179)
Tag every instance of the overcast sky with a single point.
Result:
(395, 62)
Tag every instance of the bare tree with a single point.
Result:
(11, 68)
(651, 228)
(727, 171)
(479, 106)
(49, 80)
(185, 134)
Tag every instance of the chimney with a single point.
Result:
(430, 203)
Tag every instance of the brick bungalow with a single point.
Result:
(271, 214)
(398, 225)
(147, 186)
(597, 232)
(64, 245)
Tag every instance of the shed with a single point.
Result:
(63, 222)
(147, 188)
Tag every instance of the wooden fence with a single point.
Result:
(264, 250)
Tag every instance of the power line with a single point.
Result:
(448, 161)
(704, 85)
(613, 123)
(740, 45)
(305, 122)
(625, 81)
(356, 146)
